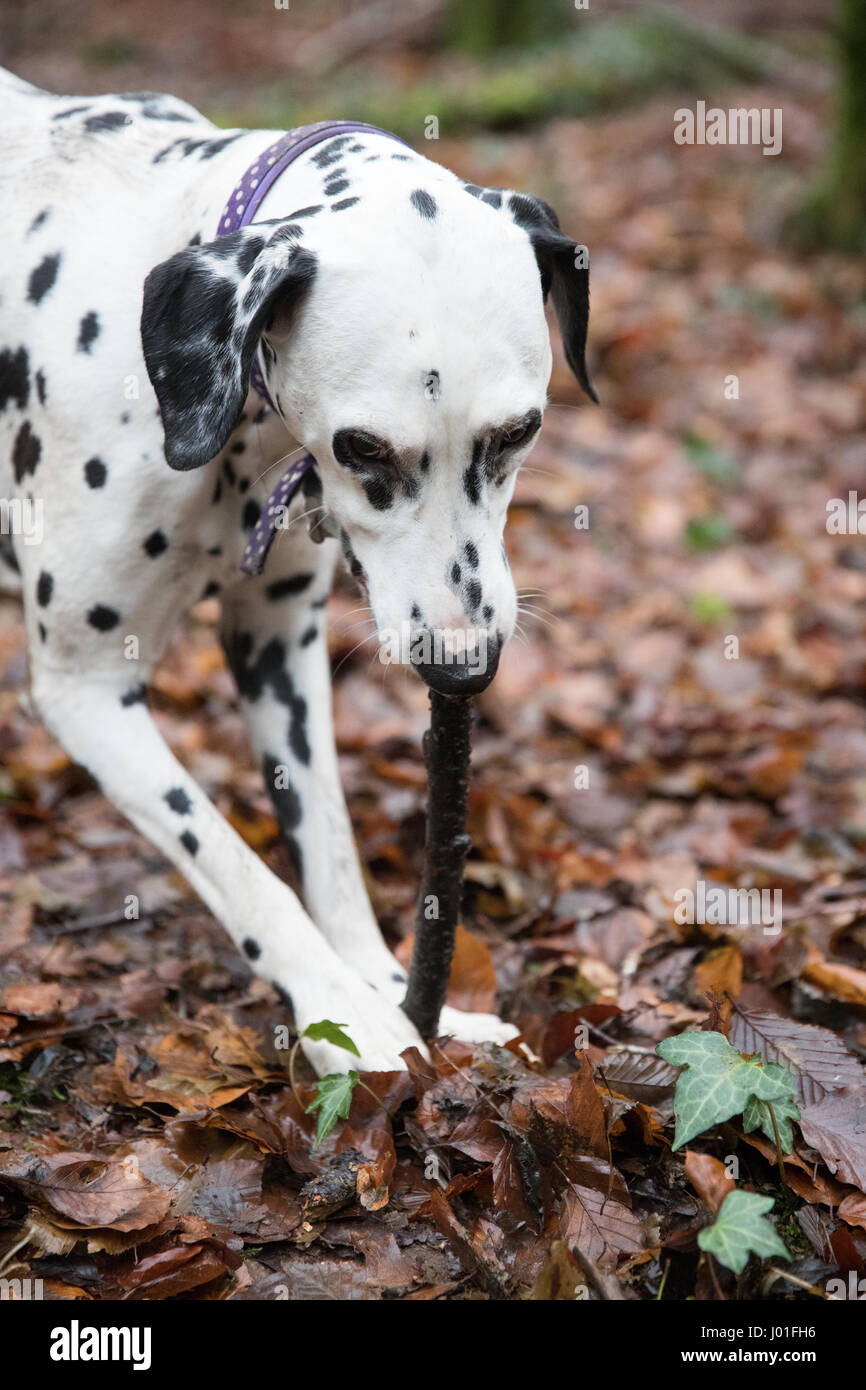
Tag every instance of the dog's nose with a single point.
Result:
(461, 676)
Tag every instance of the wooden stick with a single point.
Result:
(446, 754)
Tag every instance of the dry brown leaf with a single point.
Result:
(709, 1177)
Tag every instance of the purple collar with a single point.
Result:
(239, 211)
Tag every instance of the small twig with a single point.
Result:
(116, 918)
(801, 1283)
(716, 1284)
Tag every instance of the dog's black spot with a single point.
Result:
(107, 120)
(155, 544)
(293, 584)
(136, 695)
(26, 452)
(344, 203)
(470, 555)
(309, 636)
(189, 842)
(286, 801)
(42, 278)
(212, 147)
(320, 602)
(425, 461)
(251, 513)
(39, 221)
(306, 212)
(217, 492)
(210, 590)
(357, 149)
(185, 147)
(269, 672)
(472, 474)
(42, 633)
(473, 189)
(103, 618)
(88, 331)
(44, 589)
(252, 949)
(215, 550)
(287, 805)
(239, 448)
(95, 473)
(415, 613)
(371, 158)
(455, 574)
(179, 801)
(243, 485)
(487, 612)
(70, 111)
(402, 158)
(228, 469)
(7, 554)
(14, 378)
(330, 152)
(398, 978)
(41, 390)
(473, 594)
(380, 493)
(492, 197)
(195, 240)
(338, 186)
(424, 203)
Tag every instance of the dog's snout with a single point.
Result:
(461, 676)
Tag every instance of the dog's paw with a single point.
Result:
(468, 1027)
(378, 1028)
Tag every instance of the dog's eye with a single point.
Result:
(518, 434)
(367, 446)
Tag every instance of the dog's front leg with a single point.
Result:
(102, 720)
(274, 637)
(274, 634)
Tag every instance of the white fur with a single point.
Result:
(395, 296)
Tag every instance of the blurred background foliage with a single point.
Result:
(474, 64)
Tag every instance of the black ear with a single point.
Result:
(564, 268)
(204, 311)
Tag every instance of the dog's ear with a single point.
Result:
(564, 268)
(204, 311)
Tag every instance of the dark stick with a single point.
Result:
(446, 753)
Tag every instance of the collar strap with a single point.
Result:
(239, 211)
(275, 515)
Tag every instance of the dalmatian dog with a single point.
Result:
(397, 316)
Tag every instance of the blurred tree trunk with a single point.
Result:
(835, 214)
(483, 26)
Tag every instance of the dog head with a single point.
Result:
(404, 343)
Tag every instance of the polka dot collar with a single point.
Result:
(239, 212)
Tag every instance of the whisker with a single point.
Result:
(276, 464)
(357, 645)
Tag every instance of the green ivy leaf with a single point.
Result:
(333, 1101)
(704, 532)
(714, 462)
(717, 1082)
(327, 1031)
(740, 1230)
(757, 1112)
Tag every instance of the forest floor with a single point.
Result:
(685, 702)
